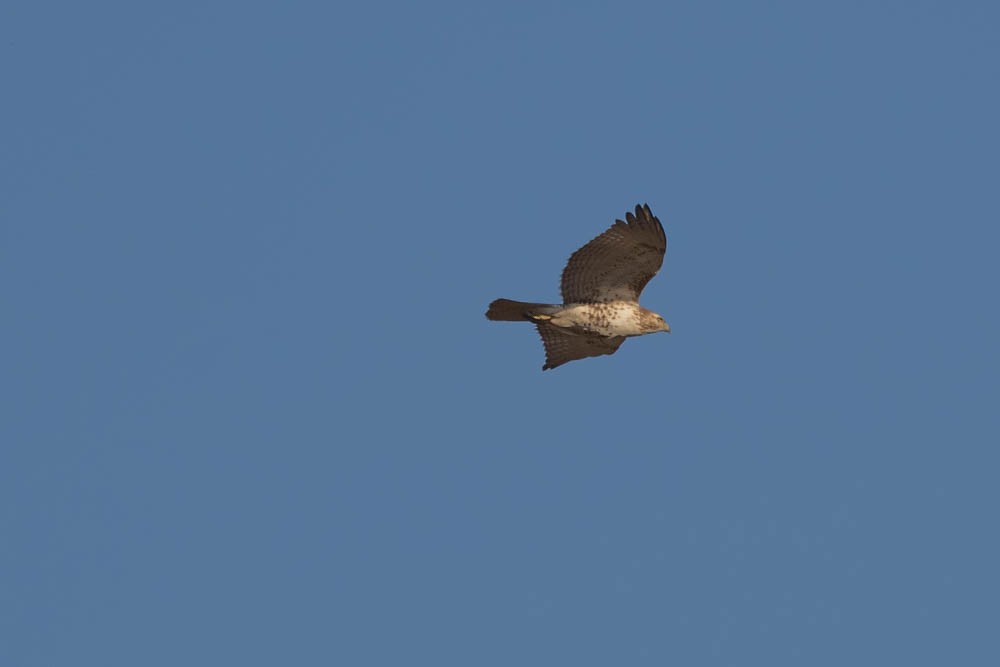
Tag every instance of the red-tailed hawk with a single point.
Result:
(600, 288)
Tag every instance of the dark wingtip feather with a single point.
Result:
(642, 214)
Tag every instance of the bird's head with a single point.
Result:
(654, 323)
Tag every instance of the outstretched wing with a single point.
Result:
(617, 264)
(561, 347)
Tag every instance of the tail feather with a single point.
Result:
(506, 310)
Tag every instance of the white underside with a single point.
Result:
(617, 318)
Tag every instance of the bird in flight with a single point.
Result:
(600, 289)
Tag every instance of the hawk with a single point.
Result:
(600, 289)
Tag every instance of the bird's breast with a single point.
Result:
(614, 318)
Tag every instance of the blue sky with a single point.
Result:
(253, 413)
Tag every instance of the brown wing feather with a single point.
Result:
(618, 263)
(561, 347)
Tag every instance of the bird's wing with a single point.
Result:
(617, 264)
(561, 346)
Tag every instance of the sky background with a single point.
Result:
(253, 413)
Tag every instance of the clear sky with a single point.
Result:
(253, 413)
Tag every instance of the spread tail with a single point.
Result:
(506, 310)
